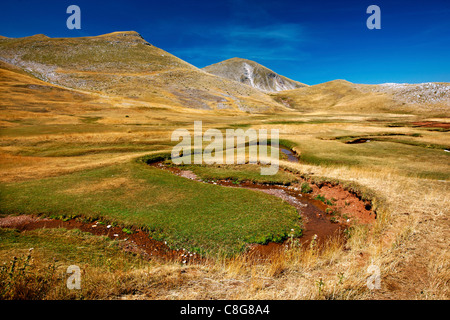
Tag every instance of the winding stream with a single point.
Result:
(290, 154)
(317, 224)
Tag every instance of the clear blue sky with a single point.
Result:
(310, 41)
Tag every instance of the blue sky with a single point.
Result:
(309, 41)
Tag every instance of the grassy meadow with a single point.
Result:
(72, 152)
(110, 185)
(167, 206)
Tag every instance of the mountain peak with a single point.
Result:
(39, 36)
(237, 59)
(129, 36)
(253, 74)
(122, 33)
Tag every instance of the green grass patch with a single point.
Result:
(287, 143)
(306, 188)
(65, 246)
(247, 172)
(407, 157)
(320, 198)
(187, 214)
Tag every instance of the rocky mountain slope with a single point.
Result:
(430, 93)
(252, 74)
(124, 64)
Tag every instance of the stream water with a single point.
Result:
(317, 224)
(290, 154)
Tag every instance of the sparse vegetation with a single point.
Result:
(320, 198)
(306, 188)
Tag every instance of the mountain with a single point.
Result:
(19, 89)
(126, 66)
(425, 94)
(253, 74)
(344, 96)
(123, 64)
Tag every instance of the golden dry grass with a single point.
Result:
(409, 241)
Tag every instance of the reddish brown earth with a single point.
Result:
(317, 223)
(138, 242)
(432, 124)
(348, 203)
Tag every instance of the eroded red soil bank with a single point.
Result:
(325, 213)
(432, 124)
(321, 221)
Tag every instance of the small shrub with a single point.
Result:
(127, 231)
(20, 279)
(320, 198)
(306, 188)
(348, 232)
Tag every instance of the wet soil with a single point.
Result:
(320, 221)
(138, 242)
(432, 124)
(359, 140)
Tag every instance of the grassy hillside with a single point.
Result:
(346, 97)
(125, 65)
